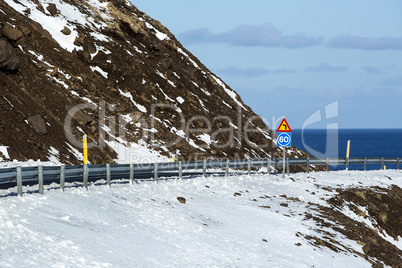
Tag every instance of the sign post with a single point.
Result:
(284, 139)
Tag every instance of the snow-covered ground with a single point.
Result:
(29, 163)
(235, 221)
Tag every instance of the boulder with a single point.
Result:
(181, 199)
(159, 47)
(8, 61)
(37, 123)
(55, 71)
(52, 9)
(10, 32)
(66, 31)
(90, 47)
(25, 30)
(79, 41)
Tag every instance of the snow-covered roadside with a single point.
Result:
(235, 221)
(29, 163)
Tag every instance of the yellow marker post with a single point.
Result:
(347, 155)
(173, 159)
(85, 149)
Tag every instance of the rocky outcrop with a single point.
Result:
(381, 206)
(66, 31)
(9, 62)
(120, 77)
(52, 9)
(10, 32)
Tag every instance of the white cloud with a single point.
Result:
(366, 43)
(266, 35)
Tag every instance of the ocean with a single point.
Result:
(363, 143)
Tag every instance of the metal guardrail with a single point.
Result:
(9, 177)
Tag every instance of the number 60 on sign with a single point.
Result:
(284, 139)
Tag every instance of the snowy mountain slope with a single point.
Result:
(241, 221)
(105, 69)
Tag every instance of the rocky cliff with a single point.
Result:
(106, 69)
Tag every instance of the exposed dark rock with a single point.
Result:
(41, 77)
(14, 153)
(11, 32)
(158, 47)
(385, 212)
(37, 27)
(52, 9)
(37, 123)
(90, 47)
(79, 41)
(181, 199)
(66, 31)
(9, 62)
(25, 30)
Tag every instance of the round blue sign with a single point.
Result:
(284, 139)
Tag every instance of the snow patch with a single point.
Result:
(161, 36)
(180, 100)
(54, 155)
(3, 150)
(68, 16)
(188, 57)
(205, 138)
(231, 93)
(164, 94)
(140, 107)
(78, 155)
(98, 69)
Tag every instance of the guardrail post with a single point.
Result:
(85, 176)
(19, 181)
(397, 163)
(180, 170)
(40, 179)
(287, 166)
(204, 168)
(131, 173)
(365, 163)
(108, 175)
(308, 165)
(62, 176)
(249, 167)
(268, 166)
(327, 169)
(227, 168)
(382, 163)
(156, 172)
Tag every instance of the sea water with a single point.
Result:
(363, 143)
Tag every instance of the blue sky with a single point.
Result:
(294, 58)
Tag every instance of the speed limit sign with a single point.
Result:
(284, 139)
